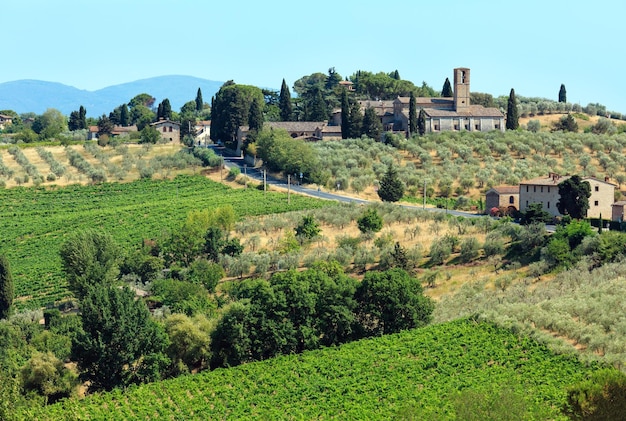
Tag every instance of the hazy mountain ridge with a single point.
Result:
(36, 96)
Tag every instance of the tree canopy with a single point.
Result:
(6, 287)
(574, 197)
(391, 188)
(230, 110)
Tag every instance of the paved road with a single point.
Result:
(257, 174)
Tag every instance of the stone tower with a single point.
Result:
(461, 88)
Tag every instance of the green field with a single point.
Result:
(415, 374)
(35, 221)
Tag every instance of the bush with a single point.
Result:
(602, 397)
(370, 221)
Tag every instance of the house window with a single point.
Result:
(534, 189)
(548, 189)
(541, 189)
(527, 203)
(164, 129)
(597, 188)
(511, 200)
(548, 205)
(467, 126)
(526, 189)
(170, 128)
(477, 127)
(595, 203)
(436, 125)
(456, 126)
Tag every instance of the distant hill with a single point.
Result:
(36, 96)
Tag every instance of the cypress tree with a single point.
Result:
(372, 126)
(82, 116)
(412, 115)
(167, 109)
(345, 117)
(562, 94)
(6, 287)
(421, 122)
(255, 116)
(199, 101)
(512, 116)
(446, 92)
(284, 103)
(317, 110)
(124, 116)
(356, 120)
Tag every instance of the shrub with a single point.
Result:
(602, 397)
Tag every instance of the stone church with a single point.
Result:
(442, 114)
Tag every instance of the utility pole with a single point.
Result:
(424, 196)
(289, 189)
(245, 175)
(264, 182)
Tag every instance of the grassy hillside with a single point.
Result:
(421, 374)
(35, 221)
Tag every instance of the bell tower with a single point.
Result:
(461, 88)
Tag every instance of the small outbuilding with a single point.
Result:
(505, 198)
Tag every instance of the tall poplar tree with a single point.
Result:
(199, 101)
(284, 103)
(6, 287)
(512, 116)
(412, 115)
(446, 92)
(562, 94)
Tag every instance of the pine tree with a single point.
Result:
(6, 287)
(421, 122)
(412, 115)
(512, 116)
(284, 103)
(391, 188)
(446, 92)
(562, 94)
(199, 101)
(255, 116)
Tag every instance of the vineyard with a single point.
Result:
(418, 374)
(35, 221)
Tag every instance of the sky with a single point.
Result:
(531, 46)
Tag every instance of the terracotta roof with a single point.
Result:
(619, 203)
(157, 123)
(555, 179)
(294, 126)
(122, 129)
(473, 111)
(6, 117)
(506, 189)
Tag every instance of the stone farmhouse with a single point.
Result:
(504, 198)
(545, 190)
(169, 130)
(305, 130)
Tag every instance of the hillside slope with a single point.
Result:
(419, 374)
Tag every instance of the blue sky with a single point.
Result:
(530, 46)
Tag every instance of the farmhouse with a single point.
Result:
(121, 131)
(545, 190)
(5, 120)
(169, 130)
(504, 198)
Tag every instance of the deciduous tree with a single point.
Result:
(89, 258)
(120, 344)
(574, 197)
